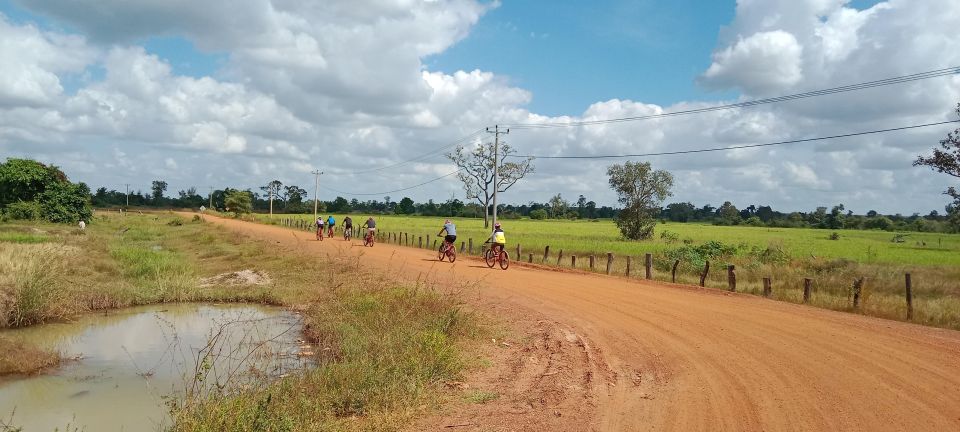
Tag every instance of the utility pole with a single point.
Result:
(128, 193)
(316, 187)
(211, 198)
(270, 190)
(496, 166)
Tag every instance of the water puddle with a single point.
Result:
(132, 361)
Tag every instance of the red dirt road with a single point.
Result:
(671, 358)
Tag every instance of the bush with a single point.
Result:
(538, 214)
(835, 236)
(669, 237)
(23, 210)
(65, 203)
(698, 255)
(754, 222)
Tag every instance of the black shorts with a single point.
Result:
(450, 239)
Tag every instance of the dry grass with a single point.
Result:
(383, 350)
(19, 357)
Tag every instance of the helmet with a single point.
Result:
(496, 225)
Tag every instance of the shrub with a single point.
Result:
(65, 203)
(699, 254)
(538, 214)
(669, 237)
(835, 236)
(23, 210)
(754, 222)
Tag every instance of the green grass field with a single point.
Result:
(583, 237)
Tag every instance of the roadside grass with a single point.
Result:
(785, 255)
(481, 396)
(584, 237)
(383, 350)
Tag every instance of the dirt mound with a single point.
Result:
(242, 277)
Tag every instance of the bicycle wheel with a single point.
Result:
(504, 260)
(452, 254)
(489, 258)
(441, 252)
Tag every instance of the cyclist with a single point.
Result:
(498, 238)
(451, 230)
(347, 225)
(331, 223)
(371, 226)
(320, 222)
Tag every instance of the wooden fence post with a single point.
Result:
(420, 242)
(732, 277)
(471, 245)
(546, 253)
(857, 291)
(609, 262)
(519, 254)
(463, 246)
(807, 282)
(435, 244)
(629, 264)
(573, 261)
(648, 266)
(673, 274)
(592, 263)
(530, 259)
(428, 241)
(767, 287)
(559, 256)
(909, 297)
(703, 276)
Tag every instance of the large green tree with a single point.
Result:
(30, 184)
(641, 190)
(238, 202)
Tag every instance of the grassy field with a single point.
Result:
(584, 237)
(387, 348)
(788, 256)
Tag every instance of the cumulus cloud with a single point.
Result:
(341, 85)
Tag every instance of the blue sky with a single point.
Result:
(646, 50)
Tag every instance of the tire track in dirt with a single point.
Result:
(678, 358)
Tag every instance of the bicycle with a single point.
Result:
(347, 233)
(368, 240)
(319, 233)
(447, 250)
(492, 259)
(330, 232)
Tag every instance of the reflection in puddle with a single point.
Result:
(132, 360)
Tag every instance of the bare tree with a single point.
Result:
(476, 172)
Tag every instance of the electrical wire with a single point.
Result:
(392, 191)
(843, 89)
(421, 157)
(716, 149)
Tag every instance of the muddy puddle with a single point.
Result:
(131, 362)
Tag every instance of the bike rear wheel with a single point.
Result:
(504, 260)
(452, 254)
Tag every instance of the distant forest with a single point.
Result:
(294, 199)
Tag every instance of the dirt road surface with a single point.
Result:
(612, 354)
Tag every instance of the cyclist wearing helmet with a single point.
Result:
(347, 225)
(451, 231)
(371, 226)
(331, 223)
(498, 238)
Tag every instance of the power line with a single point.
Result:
(428, 155)
(843, 89)
(715, 149)
(392, 191)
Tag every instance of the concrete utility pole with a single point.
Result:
(128, 193)
(211, 198)
(496, 166)
(316, 187)
(270, 190)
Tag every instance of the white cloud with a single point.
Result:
(342, 86)
(760, 63)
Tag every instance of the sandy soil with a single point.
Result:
(591, 352)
